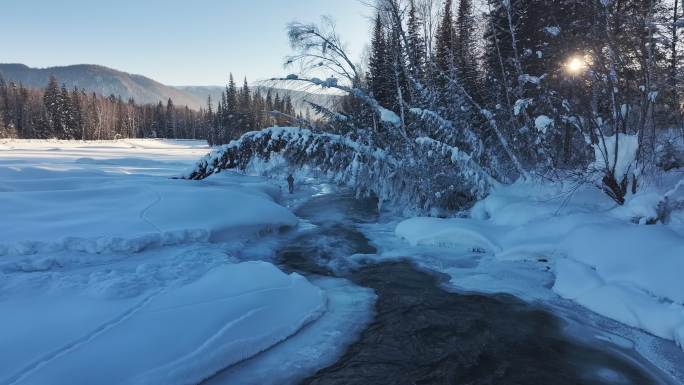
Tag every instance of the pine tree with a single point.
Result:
(231, 104)
(258, 107)
(159, 121)
(170, 119)
(77, 112)
(230, 111)
(67, 111)
(51, 100)
(209, 122)
(246, 107)
(416, 43)
(446, 40)
(465, 60)
(379, 66)
(4, 108)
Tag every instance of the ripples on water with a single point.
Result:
(422, 334)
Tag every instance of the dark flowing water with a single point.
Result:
(423, 334)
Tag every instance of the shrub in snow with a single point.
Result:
(615, 158)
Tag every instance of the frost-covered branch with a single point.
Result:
(383, 114)
(422, 175)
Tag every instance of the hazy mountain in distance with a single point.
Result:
(107, 81)
(101, 80)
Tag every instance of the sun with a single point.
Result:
(575, 65)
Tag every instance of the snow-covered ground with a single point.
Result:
(113, 272)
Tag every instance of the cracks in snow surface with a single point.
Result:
(84, 339)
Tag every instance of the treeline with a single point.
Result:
(56, 112)
(243, 110)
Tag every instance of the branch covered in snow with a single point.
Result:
(441, 178)
(383, 114)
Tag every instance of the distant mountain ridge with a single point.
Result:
(102, 80)
(107, 81)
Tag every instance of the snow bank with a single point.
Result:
(622, 270)
(92, 198)
(79, 307)
(448, 233)
(171, 335)
(349, 311)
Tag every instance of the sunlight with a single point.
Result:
(575, 65)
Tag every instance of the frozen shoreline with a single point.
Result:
(111, 272)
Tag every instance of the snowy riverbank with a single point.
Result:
(111, 272)
(600, 259)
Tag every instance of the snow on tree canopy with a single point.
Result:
(623, 160)
(543, 123)
(520, 105)
(389, 116)
(552, 30)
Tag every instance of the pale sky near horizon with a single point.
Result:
(176, 42)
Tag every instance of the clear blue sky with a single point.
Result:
(177, 42)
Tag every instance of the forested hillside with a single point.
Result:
(102, 81)
(58, 112)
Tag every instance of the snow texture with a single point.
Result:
(111, 272)
(542, 123)
(83, 198)
(621, 158)
(552, 30)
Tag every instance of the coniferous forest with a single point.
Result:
(56, 112)
(459, 96)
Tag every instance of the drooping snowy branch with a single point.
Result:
(382, 113)
(423, 177)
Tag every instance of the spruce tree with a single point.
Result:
(416, 44)
(77, 114)
(446, 40)
(4, 107)
(51, 100)
(465, 60)
(67, 129)
(246, 107)
(230, 111)
(170, 119)
(379, 66)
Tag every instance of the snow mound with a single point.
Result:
(171, 335)
(448, 233)
(350, 310)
